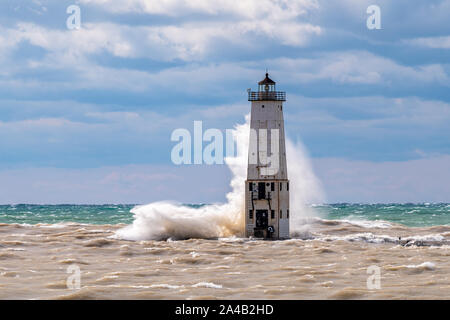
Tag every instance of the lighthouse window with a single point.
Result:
(250, 186)
(272, 214)
(281, 214)
(272, 186)
(288, 214)
(288, 186)
(261, 190)
(250, 214)
(263, 106)
(281, 186)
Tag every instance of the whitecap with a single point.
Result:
(207, 285)
(166, 286)
(425, 266)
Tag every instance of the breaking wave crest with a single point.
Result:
(170, 220)
(378, 232)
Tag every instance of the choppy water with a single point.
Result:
(328, 256)
(411, 215)
(329, 261)
(51, 214)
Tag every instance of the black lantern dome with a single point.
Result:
(266, 91)
(267, 85)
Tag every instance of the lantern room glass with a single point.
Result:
(266, 88)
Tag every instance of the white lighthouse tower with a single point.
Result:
(267, 184)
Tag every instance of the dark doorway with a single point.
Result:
(262, 219)
(261, 190)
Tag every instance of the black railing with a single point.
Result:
(266, 96)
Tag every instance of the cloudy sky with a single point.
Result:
(86, 115)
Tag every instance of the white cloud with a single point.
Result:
(422, 180)
(356, 67)
(8, 41)
(68, 50)
(235, 22)
(254, 9)
(115, 184)
(190, 41)
(431, 42)
(91, 39)
(223, 111)
(138, 123)
(364, 113)
(31, 124)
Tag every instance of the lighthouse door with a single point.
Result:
(261, 190)
(262, 219)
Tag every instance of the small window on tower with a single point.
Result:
(272, 186)
(288, 214)
(272, 214)
(288, 186)
(261, 190)
(263, 106)
(281, 186)
(281, 214)
(250, 186)
(250, 214)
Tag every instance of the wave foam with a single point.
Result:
(424, 266)
(207, 285)
(169, 220)
(416, 240)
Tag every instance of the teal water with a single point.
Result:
(51, 214)
(411, 215)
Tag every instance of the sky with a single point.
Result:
(86, 114)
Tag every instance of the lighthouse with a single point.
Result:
(267, 184)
